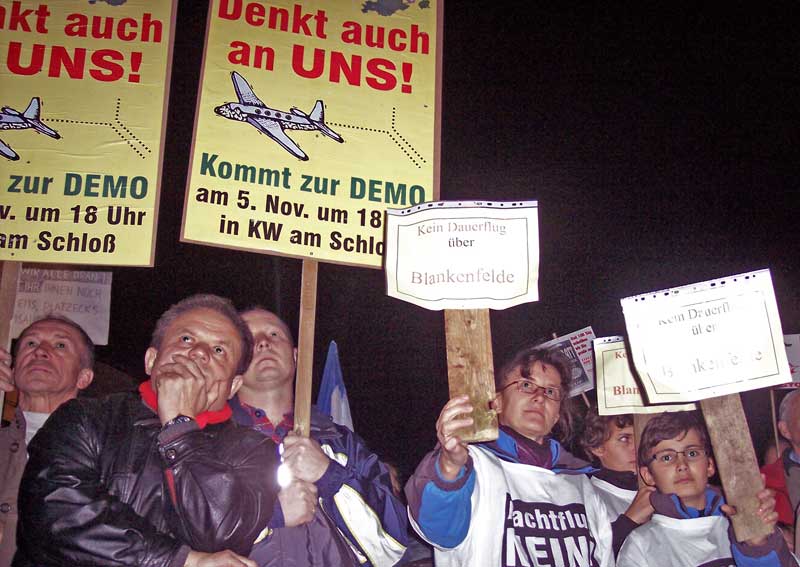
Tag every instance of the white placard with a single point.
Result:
(707, 339)
(463, 255)
(617, 390)
(577, 348)
(792, 344)
(84, 297)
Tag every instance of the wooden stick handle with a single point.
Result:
(736, 462)
(305, 349)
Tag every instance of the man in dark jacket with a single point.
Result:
(339, 508)
(52, 362)
(159, 479)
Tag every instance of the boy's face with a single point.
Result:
(685, 474)
(618, 452)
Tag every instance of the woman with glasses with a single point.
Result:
(689, 526)
(519, 500)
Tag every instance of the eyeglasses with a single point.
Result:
(669, 456)
(531, 388)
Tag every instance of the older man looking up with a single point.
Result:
(337, 481)
(53, 360)
(159, 479)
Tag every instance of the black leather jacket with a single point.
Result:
(105, 486)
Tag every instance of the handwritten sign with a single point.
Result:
(463, 255)
(577, 348)
(617, 390)
(707, 339)
(84, 297)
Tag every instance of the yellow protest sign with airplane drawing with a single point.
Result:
(313, 118)
(83, 89)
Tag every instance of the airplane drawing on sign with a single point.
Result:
(273, 122)
(11, 119)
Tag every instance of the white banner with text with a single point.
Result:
(707, 339)
(463, 255)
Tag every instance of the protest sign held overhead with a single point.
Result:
(707, 339)
(313, 117)
(84, 89)
(617, 390)
(464, 255)
(577, 348)
(84, 297)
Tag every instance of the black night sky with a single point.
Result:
(661, 146)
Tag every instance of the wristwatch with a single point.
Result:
(175, 420)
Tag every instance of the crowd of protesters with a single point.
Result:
(201, 467)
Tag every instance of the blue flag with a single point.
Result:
(332, 398)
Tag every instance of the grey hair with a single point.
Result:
(87, 352)
(786, 405)
(221, 305)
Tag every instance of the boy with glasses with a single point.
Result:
(688, 527)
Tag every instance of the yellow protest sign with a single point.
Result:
(84, 88)
(313, 118)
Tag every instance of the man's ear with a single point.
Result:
(235, 385)
(150, 356)
(784, 429)
(294, 355)
(711, 467)
(647, 476)
(598, 452)
(85, 377)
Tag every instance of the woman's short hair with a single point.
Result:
(524, 360)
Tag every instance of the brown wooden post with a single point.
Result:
(640, 421)
(8, 294)
(736, 462)
(470, 368)
(305, 349)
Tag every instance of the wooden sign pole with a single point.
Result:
(8, 294)
(640, 421)
(775, 416)
(736, 462)
(470, 368)
(305, 349)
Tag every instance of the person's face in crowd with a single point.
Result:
(618, 452)
(790, 428)
(527, 405)
(686, 473)
(211, 341)
(48, 361)
(274, 355)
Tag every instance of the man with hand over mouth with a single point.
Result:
(162, 478)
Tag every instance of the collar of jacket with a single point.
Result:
(322, 425)
(516, 448)
(150, 398)
(621, 479)
(670, 505)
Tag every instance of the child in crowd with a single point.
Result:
(608, 441)
(688, 527)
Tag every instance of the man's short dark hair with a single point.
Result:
(597, 430)
(671, 425)
(524, 360)
(87, 352)
(259, 307)
(221, 305)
